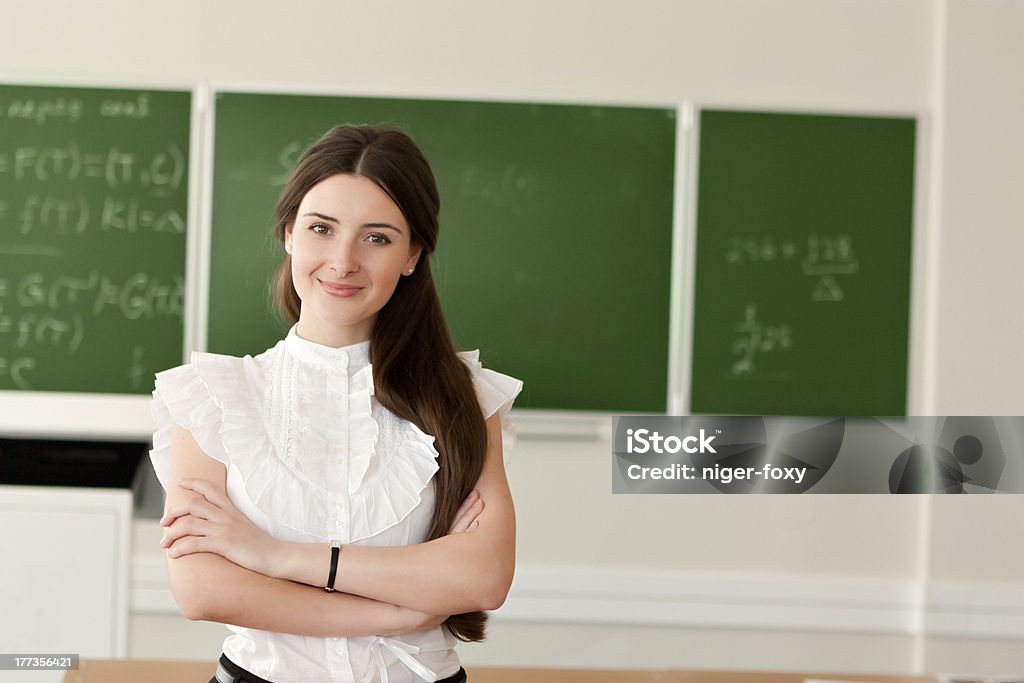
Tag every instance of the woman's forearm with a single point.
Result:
(208, 587)
(449, 575)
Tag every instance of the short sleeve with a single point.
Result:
(496, 393)
(184, 397)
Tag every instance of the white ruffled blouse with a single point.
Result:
(312, 457)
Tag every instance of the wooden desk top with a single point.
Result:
(154, 671)
(505, 675)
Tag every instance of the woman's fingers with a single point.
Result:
(463, 521)
(186, 525)
(197, 506)
(206, 489)
(473, 496)
(467, 516)
(188, 545)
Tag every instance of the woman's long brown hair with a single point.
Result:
(416, 372)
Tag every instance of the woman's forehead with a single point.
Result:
(347, 197)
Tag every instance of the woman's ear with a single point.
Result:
(414, 258)
(288, 238)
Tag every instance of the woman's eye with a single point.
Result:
(315, 227)
(378, 238)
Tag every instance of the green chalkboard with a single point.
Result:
(93, 207)
(803, 258)
(556, 226)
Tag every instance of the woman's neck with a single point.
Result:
(334, 336)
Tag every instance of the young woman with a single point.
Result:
(361, 454)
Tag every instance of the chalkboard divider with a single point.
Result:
(924, 332)
(198, 274)
(688, 278)
(683, 264)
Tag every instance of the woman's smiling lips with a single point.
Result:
(339, 290)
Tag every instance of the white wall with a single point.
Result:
(843, 53)
(980, 319)
(817, 582)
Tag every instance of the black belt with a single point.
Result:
(229, 672)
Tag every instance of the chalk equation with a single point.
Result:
(161, 173)
(40, 311)
(753, 339)
(504, 188)
(823, 257)
(74, 215)
(140, 295)
(41, 111)
(287, 159)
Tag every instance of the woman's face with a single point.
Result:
(349, 245)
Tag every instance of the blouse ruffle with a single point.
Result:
(497, 393)
(212, 398)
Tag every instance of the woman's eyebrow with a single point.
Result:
(383, 225)
(321, 215)
(332, 219)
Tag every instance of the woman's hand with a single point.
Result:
(210, 523)
(467, 516)
(410, 620)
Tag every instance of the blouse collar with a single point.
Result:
(354, 356)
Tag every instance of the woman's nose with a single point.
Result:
(343, 259)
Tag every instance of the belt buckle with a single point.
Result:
(224, 676)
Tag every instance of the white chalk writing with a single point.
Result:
(754, 338)
(824, 257)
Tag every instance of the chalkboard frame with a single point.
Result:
(113, 416)
(922, 329)
(531, 423)
(98, 416)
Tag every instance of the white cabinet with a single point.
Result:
(64, 576)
